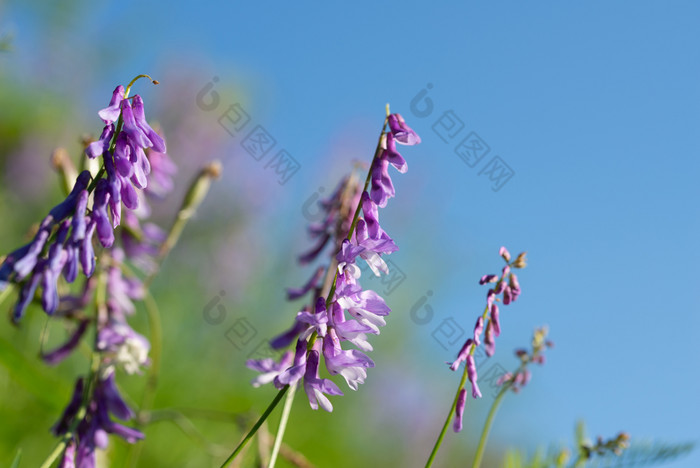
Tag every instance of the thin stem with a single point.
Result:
(441, 436)
(257, 425)
(56, 453)
(487, 426)
(156, 335)
(283, 425)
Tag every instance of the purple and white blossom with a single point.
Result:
(347, 313)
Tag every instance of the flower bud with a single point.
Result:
(520, 261)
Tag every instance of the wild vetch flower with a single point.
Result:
(353, 237)
(64, 238)
(488, 323)
(96, 424)
(459, 410)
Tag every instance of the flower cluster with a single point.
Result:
(63, 242)
(516, 381)
(134, 165)
(507, 287)
(90, 431)
(341, 310)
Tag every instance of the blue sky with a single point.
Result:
(594, 106)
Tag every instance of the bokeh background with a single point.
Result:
(593, 107)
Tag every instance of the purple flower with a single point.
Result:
(294, 373)
(351, 364)
(136, 135)
(495, 320)
(316, 388)
(268, 368)
(489, 341)
(111, 113)
(463, 353)
(478, 329)
(382, 187)
(101, 146)
(157, 142)
(459, 410)
(316, 321)
(367, 307)
(471, 374)
(402, 132)
(105, 231)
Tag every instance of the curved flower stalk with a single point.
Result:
(505, 289)
(340, 310)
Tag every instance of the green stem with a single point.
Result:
(283, 425)
(441, 436)
(156, 336)
(56, 453)
(257, 425)
(487, 426)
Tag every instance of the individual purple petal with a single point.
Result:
(70, 269)
(471, 373)
(67, 207)
(141, 167)
(495, 320)
(111, 113)
(459, 410)
(60, 353)
(122, 156)
(489, 341)
(348, 253)
(463, 353)
(268, 368)
(24, 265)
(371, 216)
(133, 131)
(382, 187)
(350, 364)
(503, 252)
(113, 400)
(317, 320)
(140, 116)
(478, 329)
(78, 220)
(507, 295)
(315, 387)
(393, 156)
(105, 231)
(54, 264)
(87, 252)
(403, 133)
(295, 372)
(500, 287)
(101, 146)
(26, 294)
